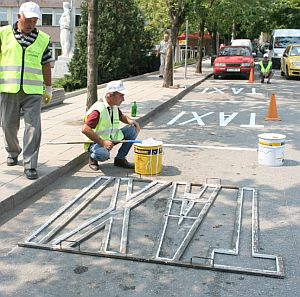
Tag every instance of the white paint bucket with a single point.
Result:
(271, 149)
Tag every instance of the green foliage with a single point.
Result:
(189, 61)
(252, 18)
(285, 14)
(122, 42)
(156, 18)
(68, 83)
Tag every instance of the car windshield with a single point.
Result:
(295, 51)
(234, 51)
(283, 42)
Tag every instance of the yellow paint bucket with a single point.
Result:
(148, 157)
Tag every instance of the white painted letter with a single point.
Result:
(224, 122)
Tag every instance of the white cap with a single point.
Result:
(116, 86)
(30, 10)
(266, 56)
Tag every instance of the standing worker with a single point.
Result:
(25, 78)
(162, 52)
(101, 126)
(265, 69)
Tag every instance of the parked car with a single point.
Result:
(290, 61)
(236, 60)
(242, 42)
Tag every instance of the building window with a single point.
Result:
(55, 48)
(47, 15)
(3, 15)
(15, 13)
(57, 14)
(77, 18)
(57, 53)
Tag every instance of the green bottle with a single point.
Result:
(133, 109)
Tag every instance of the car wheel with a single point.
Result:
(287, 73)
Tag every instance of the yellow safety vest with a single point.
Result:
(263, 69)
(20, 66)
(105, 129)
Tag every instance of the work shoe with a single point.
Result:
(123, 163)
(93, 164)
(31, 173)
(262, 81)
(12, 161)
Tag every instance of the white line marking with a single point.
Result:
(224, 122)
(252, 122)
(197, 118)
(226, 101)
(209, 147)
(176, 118)
(237, 91)
(218, 91)
(253, 92)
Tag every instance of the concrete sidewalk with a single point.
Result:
(63, 123)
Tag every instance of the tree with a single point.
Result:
(177, 10)
(121, 42)
(156, 18)
(92, 53)
(201, 10)
(285, 14)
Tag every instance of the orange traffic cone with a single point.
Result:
(272, 113)
(251, 76)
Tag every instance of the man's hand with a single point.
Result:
(47, 96)
(107, 144)
(137, 126)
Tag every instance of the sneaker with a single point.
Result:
(268, 82)
(123, 163)
(262, 81)
(93, 164)
(160, 76)
(12, 161)
(31, 173)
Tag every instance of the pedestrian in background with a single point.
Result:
(25, 78)
(265, 69)
(101, 126)
(162, 52)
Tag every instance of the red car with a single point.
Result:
(235, 60)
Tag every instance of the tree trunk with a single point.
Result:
(201, 43)
(168, 71)
(92, 53)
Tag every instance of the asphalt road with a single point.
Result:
(218, 114)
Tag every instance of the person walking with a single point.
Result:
(101, 126)
(162, 52)
(25, 78)
(265, 69)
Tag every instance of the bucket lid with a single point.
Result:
(272, 136)
(149, 142)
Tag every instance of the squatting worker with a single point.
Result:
(162, 52)
(25, 78)
(265, 69)
(101, 126)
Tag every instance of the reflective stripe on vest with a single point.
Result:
(105, 128)
(263, 69)
(11, 61)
